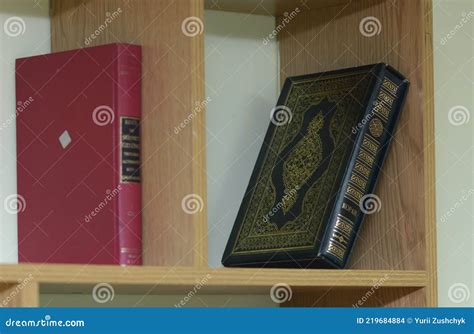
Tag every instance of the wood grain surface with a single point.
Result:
(173, 74)
(269, 7)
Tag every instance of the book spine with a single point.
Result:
(129, 155)
(356, 196)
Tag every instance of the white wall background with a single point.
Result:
(242, 80)
(454, 94)
(24, 31)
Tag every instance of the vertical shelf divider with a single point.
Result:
(173, 82)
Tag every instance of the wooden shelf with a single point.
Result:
(34, 280)
(226, 280)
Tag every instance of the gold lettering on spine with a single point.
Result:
(130, 121)
(343, 226)
(349, 208)
(390, 86)
(381, 110)
(354, 194)
(337, 251)
(129, 149)
(340, 239)
(361, 169)
(358, 181)
(366, 157)
(131, 154)
(129, 137)
(129, 145)
(370, 145)
(384, 112)
(386, 98)
(364, 163)
(136, 162)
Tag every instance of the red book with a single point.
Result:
(78, 156)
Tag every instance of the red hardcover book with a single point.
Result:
(78, 156)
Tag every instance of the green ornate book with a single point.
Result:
(316, 171)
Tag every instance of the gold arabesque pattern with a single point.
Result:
(346, 94)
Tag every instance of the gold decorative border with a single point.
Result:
(366, 73)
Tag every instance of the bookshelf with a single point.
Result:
(396, 246)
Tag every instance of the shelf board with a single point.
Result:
(270, 7)
(165, 280)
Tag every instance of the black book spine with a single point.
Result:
(356, 197)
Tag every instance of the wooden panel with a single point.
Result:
(429, 158)
(22, 294)
(173, 163)
(152, 279)
(373, 297)
(269, 7)
(331, 38)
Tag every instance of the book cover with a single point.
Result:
(78, 156)
(320, 159)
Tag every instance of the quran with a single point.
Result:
(315, 175)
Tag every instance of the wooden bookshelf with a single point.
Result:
(396, 245)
